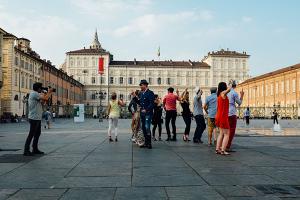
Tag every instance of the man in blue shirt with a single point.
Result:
(210, 108)
(147, 105)
(233, 100)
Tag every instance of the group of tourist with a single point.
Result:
(147, 108)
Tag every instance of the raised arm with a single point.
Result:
(225, 92)
(45, 97)
(239, 100)
(121, 102)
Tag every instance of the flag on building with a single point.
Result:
(101, 66)
(158, 52)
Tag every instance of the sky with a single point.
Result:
(268, 30)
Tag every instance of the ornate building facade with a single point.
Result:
(280, 88)
(226, 65)
(123, 77)
(22, 67)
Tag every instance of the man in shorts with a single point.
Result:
(210, 108)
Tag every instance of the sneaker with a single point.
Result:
(116, 140)
(110, 140)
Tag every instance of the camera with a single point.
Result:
(45, 89)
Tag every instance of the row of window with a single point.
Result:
(141, 73)
(26, 65)
(79, 62)
(25, 81)
(134, 81)
(280, 88)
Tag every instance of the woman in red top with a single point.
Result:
(222, 118)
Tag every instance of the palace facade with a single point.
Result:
(124, 76)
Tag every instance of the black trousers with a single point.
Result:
(247, 120)
(155, 125)
(171, 116)
(187, 120)
(275, 119)
(201, 126)
(34, 133)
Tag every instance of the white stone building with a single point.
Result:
(123, 77)
(226, 65)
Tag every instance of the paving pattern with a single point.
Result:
(81, 164)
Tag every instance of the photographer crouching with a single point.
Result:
(36, 99)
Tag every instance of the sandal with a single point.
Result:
(225, 153)
(184, 138)
(218, 151)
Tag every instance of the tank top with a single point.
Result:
(114, 109)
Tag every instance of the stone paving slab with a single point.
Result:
(81, 164)
(89, 194)
(38, 194)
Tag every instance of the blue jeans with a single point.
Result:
(146, 119)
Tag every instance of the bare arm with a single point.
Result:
(121, 102)
(45, 97)
(108, 109)
(225, 92)
(205, 107)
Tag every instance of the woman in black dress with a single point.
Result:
(186, 114)
(157, 120)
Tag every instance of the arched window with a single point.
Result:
(159, 81)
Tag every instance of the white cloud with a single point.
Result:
(49, 35)
(154, 23)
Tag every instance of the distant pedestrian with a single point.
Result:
(247, 116)
(186, 114)
(48, 118)
(234, 100)
(210, 108)
(275, 117)
(199, 116)
(53, 116)
(222, 118)
(114, 115)
(169, 103)
(147, 103)
(157, 117)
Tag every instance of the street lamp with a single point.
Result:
(101, 95)
(25, 101)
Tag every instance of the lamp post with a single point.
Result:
(25, 101)
(101, 95)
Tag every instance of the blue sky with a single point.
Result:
(184, 29)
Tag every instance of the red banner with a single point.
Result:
(101, 66)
